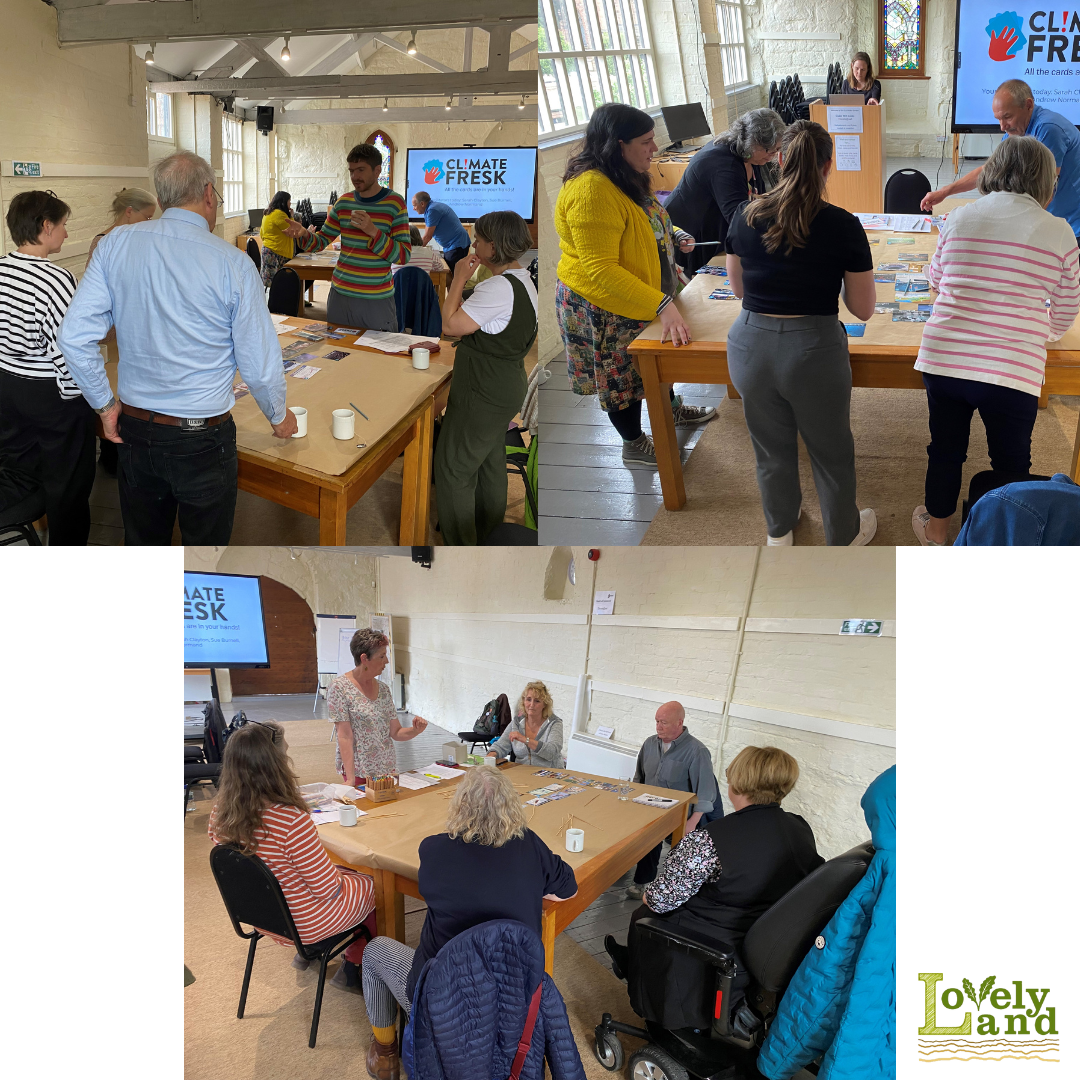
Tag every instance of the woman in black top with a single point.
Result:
(789, 255)
(719, 179)
(861, 80)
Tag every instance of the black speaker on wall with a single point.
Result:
(264, 118)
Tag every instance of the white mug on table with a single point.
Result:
(347, 815)
(421, 359)
(301, 420)
(344, 424)
(575, 839)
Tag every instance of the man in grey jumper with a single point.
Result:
(673, 758)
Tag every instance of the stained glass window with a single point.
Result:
(383, 143)
(902, 39)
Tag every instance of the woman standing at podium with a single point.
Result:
(719, 179)
(860, 80)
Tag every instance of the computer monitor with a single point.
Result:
(685, 122)
(254, 219)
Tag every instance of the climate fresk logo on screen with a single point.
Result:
(1012, 1021)
(1055, 36)
(476, 172)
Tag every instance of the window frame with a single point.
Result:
(152, 115)
(741, 46)
(232, 186)
(913, 73)
(393, 152)
(623, 58)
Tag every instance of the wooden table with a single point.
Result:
(328, 497)
(394, 864)
(320, 267)
(883, 358)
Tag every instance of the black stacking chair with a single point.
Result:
(285, 292)
(26, 504)
(774, 95)
(252, 895)
(254, 252)
(904, 191)
(989, 480)
(770, 954)
(202, 765)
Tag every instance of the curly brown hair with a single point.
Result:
(365, 642)
(255, 774)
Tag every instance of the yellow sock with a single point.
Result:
(385, 1035)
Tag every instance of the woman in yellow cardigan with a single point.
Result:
(278, 247)
(617, 271)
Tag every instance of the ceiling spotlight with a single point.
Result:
(449, 102)
(412, 44)
(149, 57)
(285, 54)
(385, 106)
(521, 104)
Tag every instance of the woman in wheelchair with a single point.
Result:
(721, 878)
(260, 810)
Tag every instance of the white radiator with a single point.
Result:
(600, 757)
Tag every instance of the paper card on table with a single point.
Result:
(604, 732)
(414, 782)
(896, 241)
(604, 602)
(277, 318)
(335, 354)
(910, 316)
(655, 800)
(913, 256)
(909, 222)
(441, 771)
(323, 817)
(394, 343)
(722, 294)
(281, 329)
(305, 372)
(891, 266)
(241, 390)
(884, 306)
(928, 308)
(855, 329)
(884, 279)
(848, 156)
(873, 221)
(844, 118)
(535, 802)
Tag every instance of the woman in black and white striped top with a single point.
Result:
(46, 426)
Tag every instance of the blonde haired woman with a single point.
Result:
(129, 205)
(535, 733)
(486, 840)
(719, 879)
(259, 809)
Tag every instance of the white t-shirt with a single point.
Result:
(492, 301)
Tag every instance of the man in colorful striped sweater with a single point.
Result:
(374, 230)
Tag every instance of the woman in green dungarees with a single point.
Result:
(497, 327)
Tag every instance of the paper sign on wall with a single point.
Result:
(865, 627)
(845, 118)
(604, 732)
(848, 155)
(603, 602)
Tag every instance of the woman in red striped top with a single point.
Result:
(260, 810)
(1007, 278)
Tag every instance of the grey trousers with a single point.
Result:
(384, 973)
(794, 376)
(380, 314)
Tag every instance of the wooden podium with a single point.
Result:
(861, 192)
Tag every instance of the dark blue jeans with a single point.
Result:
(168, 470)
(1008, 416)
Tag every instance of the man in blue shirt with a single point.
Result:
(1015, 111)
(189, 312)
(444, 225)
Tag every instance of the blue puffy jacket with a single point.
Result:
(470, 1006)
(843, 997)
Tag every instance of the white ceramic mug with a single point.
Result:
(421, 359)
(301, 420)
(344, 423)
(575, 839)
(347, 815)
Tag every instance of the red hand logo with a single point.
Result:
(1000, 45)
(431, 176)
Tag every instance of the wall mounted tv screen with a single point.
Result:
(474, 180)
(223, 622)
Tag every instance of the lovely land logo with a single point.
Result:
(1013, 1021)
(1049, 41)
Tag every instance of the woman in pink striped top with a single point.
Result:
(260, 810)
(1006, 273)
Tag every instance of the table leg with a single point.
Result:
(547, 932)
(1074, 468)
(332, 512)
(300, 301)
(1044, 397)
(678, 833)
(663, 432)
(416, 481)
(732, 392)
(390, 916)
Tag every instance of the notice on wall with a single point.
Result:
(604, 732)
(845, 118)
(603, 602)
(848, 157)
(862, 627)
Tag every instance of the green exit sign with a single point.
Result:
(26, 168)
(871, 627)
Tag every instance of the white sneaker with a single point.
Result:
(919, 517)
(867, 529)
(787, 540)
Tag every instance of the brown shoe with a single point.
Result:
(382, 1060)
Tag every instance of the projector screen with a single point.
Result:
(223, 622)
(995, 42)
(474, 181)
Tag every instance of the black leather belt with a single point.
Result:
(197, 424)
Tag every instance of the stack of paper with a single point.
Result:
(439, 772)
(415, 781)
(394, 343)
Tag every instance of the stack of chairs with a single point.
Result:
(834, 80)
(788, 99)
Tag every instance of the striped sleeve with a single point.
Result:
(394, 246)
(317, 872)
(1065, 299)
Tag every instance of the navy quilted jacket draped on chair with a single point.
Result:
(470, 1007)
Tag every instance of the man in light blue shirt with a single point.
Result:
(189, 312)
(445, 226)
(1015, 111)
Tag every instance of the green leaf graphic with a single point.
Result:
(970, 991)
(984, 989)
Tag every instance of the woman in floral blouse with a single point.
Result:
(721, 878)
(363, 712)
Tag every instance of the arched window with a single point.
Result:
(385, 146)
(902, 36)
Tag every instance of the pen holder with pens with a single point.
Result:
(380, 789)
